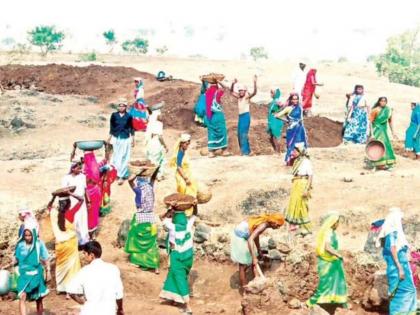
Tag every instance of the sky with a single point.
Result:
(222, 29)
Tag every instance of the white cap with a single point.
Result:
(185, 137)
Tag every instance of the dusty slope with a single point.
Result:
(34, 159)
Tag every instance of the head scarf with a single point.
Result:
(255, 221)
(212, 93)
(29, 219)
(303, 154)
(324, 236)
(393, 224)
(185, 161)
(204, 86)
(185, 137)
(277, 95)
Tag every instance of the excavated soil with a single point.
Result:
(109, 83)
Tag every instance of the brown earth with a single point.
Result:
(109, 83)
(233, 180)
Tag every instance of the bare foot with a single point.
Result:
(157, 271)
(120, 181)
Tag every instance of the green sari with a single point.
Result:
(176, 287)
(142, 244)
(274, 125)
(332, 287)
(31, 272)
(380, 132)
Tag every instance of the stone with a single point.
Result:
(294, 304)
(380, 283)
(271, 243)
(223, 238)
(202, 233)
(17, 123)
(282, 288)
(257, 285)
(274, 254)
(318, 310)
(92, 99)
(123, 233)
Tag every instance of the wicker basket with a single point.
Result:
(143, 168)
(212, 77)
(204, 194)
(64, 192)
(284, 248)
(179, 202)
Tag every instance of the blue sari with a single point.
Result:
(217, 132)
(295, 131)
(356, 128)
(31, 273)
(403, 295)
(275, 125)
(412, 135)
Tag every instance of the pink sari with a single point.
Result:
(91, 169)
(210, 94)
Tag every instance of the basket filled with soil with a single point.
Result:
(180, 202)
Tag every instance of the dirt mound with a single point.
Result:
(109, 83)
(102, 82)
(297, 279)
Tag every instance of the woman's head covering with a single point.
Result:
(273, 218)
(324, 235)
(301, 148)
(393, 223)
(277, 94)
(212, 93)
(29, 219)
(185, 137)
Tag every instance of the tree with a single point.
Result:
(137, 45)
(401, 60)
(47, 38)
(110, 39)
(258, 53)
(161, 50)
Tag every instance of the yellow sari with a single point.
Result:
(67, 253)
(181, 185)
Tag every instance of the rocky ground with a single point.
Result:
(40, 122)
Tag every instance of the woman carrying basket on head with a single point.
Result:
(181, 254)
(216, 121)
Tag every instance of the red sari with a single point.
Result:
(309, 89)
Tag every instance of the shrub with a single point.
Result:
(161, 50)
(47, 38)
(137, 45)
(401, 60)
(88, 56)
(258, 53)
(110, 39)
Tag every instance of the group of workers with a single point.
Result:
(75, 221)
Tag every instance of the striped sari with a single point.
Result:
(176, 287)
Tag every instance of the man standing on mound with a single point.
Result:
(244, 120)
